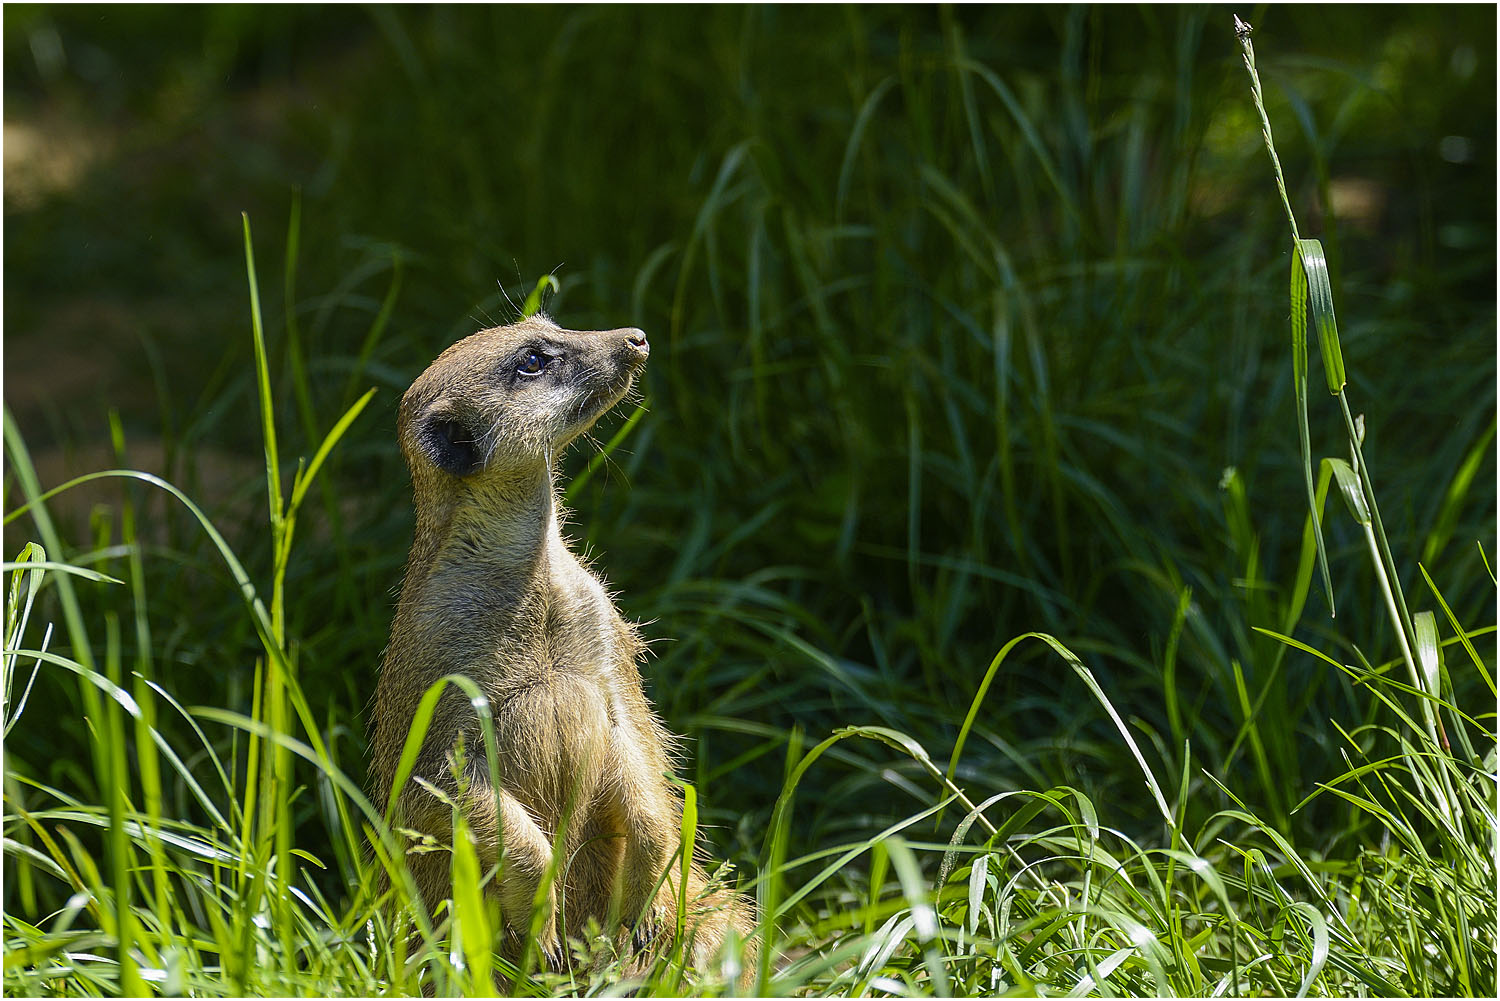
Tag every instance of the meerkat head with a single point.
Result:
(506, 400)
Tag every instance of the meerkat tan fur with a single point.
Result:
(492, 591)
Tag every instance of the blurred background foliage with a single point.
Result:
(966, 322)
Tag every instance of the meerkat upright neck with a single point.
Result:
(509, 527)
(501, 557)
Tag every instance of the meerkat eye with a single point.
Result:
(532, 363)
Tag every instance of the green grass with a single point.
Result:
(968, 506)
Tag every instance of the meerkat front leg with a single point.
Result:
(499, 820)
(647, 817)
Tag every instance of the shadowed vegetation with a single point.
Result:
(967, 324)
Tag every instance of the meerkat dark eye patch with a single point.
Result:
(451, 446)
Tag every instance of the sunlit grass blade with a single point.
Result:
(533, 303)
(1319, 290)
(602, 456)
(1299, 382)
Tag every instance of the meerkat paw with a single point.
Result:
(644, 935)
(554, 955)
(545, 942)
(549, 944)
(547, 948)
(656, 926)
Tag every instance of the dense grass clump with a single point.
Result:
(988, 551)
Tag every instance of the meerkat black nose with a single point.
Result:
(637, 339)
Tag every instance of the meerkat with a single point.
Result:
(492, 591)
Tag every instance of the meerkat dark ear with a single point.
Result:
(450, 445)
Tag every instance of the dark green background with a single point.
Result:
(978, 373)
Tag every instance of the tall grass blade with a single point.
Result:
(1453, 498)
(263, 385)
(1319, 291)
(1304, 437)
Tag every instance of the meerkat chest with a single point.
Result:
(582, 627)
(567, 627)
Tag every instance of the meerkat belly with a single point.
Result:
(557, 731)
